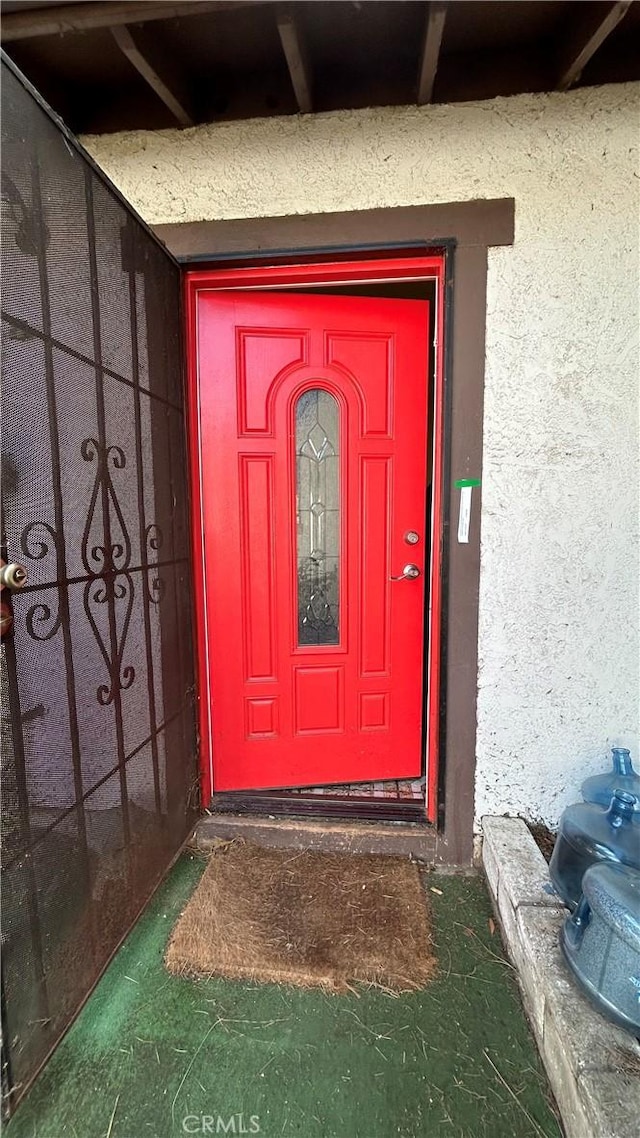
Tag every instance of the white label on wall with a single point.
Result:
(465, 514)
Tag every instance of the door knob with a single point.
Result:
(12, 576)
(408, 573)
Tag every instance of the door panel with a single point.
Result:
(313, 461)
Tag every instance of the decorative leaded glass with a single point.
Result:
(318, 517)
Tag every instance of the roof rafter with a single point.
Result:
(436, 15)
(63, 18)
(586, 35)
(294, 47)
(159, 72)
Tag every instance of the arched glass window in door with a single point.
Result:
(317, 418)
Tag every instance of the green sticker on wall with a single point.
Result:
(461, 482)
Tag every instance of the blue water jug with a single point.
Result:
(600, 787)
(589, 834)
(601, 942)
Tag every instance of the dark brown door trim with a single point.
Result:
(468, 228)
(482, 223)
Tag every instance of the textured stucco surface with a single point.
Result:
(559, 675)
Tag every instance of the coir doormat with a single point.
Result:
(310, 919)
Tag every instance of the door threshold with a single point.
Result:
(285, 805)
(329, 835)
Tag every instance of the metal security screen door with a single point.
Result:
(99, 751)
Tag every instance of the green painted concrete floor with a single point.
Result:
(152, 1055)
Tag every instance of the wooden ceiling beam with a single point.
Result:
(434, 28)
(63, 18)
(295, 50)
(586, 35)
(159, 72)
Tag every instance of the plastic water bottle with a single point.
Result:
(600, 787)
(601, 942)
(590, 834)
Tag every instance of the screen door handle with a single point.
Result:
(13, 576)
(409, 573)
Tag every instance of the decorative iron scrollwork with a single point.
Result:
(155, 589)
(117, 555)
(38, 549)
(41, 622)
(112, 591)
(37, 541)
(107, 560)
(154, 538)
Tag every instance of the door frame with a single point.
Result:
(472, 231)
(314, 274)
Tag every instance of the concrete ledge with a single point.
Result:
(589, 1061)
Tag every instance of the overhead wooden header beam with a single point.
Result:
(586, 36)
(64, 18)
(160, 74)
(436, 16)
(294, 47)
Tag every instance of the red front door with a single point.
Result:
(312, 431)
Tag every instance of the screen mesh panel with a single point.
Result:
(98, 726)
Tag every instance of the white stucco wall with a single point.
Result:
(559, 645)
